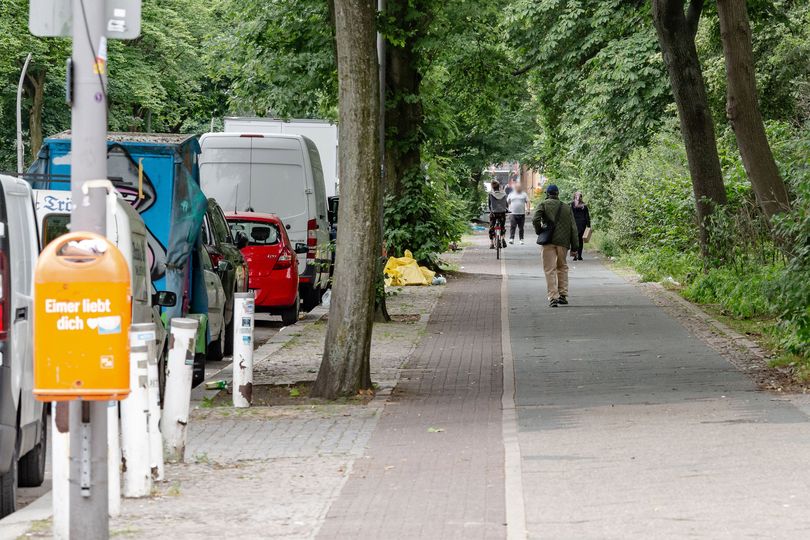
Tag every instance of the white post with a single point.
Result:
(146, 335)
(177, 398)
(60, 470)
(113, 460)
(134, 430)
(243, 308)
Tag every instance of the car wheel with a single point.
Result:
(215, 350)
(228, 342)
(290, 315)
(311, 298)
(32, 465)
(8, 489)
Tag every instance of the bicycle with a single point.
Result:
(500, 238)
(498, 241)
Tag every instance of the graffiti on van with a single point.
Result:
(135, 186)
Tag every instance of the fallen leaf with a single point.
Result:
(435, 430)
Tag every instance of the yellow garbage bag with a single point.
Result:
(405, 270)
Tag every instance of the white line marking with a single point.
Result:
(513, 474)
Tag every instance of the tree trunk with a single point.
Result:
(743, 109)
(404, 116)
(676, 35)
(345, 367)
(36, 81)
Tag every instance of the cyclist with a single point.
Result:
(498, 206)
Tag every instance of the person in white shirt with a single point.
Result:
(518, 206)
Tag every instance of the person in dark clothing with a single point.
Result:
(498, 206)
(563, 239)
(583, 220)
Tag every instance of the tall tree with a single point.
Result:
(743, 109)
(676, 31)
(345, 367)
(404, 114)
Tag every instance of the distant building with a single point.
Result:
(509, 173)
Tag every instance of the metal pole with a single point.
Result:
(60, 469)
(20, 147)
(88, 420)
(243, 309)
(177, 400)
(113, 460)
(147, 335)
(382, 66)
(135, 420)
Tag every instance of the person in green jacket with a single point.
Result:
(565, 238)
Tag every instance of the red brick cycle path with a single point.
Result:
(434, 467)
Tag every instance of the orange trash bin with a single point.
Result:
(82, 314)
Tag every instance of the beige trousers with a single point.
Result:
(555, 265)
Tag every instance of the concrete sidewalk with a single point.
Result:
(630, 427)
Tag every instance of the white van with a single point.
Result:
(322, 132)
(23, 421)
(125, 229)
(274, 174)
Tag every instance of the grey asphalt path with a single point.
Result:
(629, 427)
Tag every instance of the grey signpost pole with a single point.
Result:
(88, 420)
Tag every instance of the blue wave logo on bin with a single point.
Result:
(105, 325)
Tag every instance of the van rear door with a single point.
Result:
(23, 250)
(279, 186)
(225, 170)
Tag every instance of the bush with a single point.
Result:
(653, 205)
(791, 294)
(425, 217)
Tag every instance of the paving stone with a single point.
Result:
(434, 464)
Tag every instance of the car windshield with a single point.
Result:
(258, 233)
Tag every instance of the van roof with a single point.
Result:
(154, 138)
(248, 135)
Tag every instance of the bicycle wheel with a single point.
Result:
(498, 242)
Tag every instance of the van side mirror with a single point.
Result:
(164, 299)
(301, 248)
(241, 240)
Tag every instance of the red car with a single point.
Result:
(272, 264)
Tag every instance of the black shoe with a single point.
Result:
(492, 246)
(503, 243)
(552, 302)
(563, 300)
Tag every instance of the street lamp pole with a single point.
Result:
(20, 146)
(88, 419)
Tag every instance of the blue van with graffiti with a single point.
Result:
(159, 176)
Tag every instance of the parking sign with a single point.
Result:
(54, 18)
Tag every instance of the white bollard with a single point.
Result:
(113, 461)
(177, 397)
(243, 308)
(147, 335)
(134, 430)
(60, 470)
